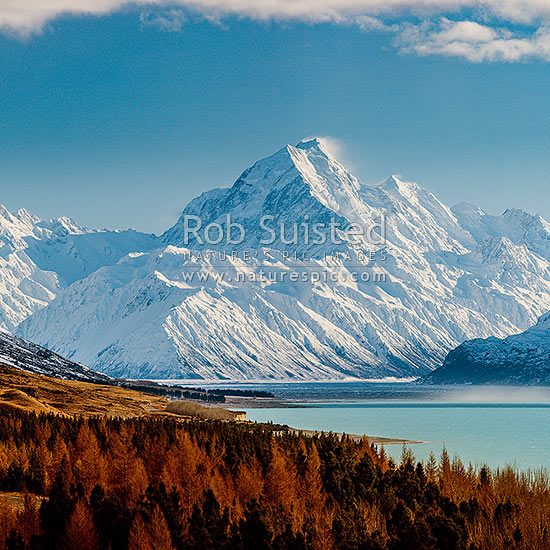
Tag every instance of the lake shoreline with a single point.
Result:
(279, 403)
(372, 440)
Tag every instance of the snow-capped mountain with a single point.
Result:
(40, 258)
(519, 359)
(22, 354)
(197, 310)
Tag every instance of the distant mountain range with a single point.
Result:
(125, 303)
(39, 259)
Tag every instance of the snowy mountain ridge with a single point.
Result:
(449, 275)
(38, 259)
(19, 353)
(520, 359)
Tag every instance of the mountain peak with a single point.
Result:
(513, 212)
(5, 213)
(392, 182)
(310, 143)
(317, 147)
(63, 226)
(291, 183)
(395, 185)
(26, 216)
(22, 215)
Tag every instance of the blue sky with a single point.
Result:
(119, 119)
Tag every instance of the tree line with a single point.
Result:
(166, 484)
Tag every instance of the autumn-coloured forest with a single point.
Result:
(160, 484)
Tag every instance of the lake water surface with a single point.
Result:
(495, 434)
(485, 425)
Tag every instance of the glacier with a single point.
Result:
(449, 275)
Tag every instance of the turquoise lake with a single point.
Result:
(493, 434)
(494, 425)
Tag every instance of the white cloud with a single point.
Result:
(368, 23)
(30, 15)
(335, 146)
(469, 31)
(168, 20)
(27, 13)
(473, 41)
(487, 34)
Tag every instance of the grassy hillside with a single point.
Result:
(29, 392)
(34, 392)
